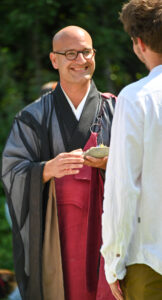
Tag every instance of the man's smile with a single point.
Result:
(84, 68)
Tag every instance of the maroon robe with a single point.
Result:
(73, 197)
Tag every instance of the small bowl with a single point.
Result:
(97, 152)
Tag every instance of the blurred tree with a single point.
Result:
(6, 261)
(28, 27)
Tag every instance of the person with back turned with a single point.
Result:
(132, 218)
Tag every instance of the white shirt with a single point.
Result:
(77, 111)
(132, 218)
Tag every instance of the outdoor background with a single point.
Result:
(26, 31)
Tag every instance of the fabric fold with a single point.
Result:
(53, 287)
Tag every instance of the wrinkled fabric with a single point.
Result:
(132, 221)
(35, 138)
(52, 261)
(73, 198)
(79, 199)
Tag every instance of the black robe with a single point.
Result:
(40, 132)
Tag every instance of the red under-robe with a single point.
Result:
(73, 199)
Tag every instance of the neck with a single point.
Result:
(153, 59)
(75, 92)
(155, 64)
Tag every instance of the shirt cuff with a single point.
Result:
(112, 275)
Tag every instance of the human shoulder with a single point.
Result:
(107, 95)
(37, 109)
(109, 102)
(135, 91)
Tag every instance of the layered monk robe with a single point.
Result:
(42, 130)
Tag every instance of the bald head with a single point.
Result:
(70, 33)
(79, 70)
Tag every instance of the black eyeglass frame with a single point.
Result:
(77, 52)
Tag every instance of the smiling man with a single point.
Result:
(76, 71)
(57, 238)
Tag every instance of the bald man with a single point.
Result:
(54, 193)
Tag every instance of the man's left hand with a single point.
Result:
(96, 162)
(116, 291)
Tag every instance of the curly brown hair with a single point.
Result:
(143, 18)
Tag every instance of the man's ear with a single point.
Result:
(53, 60)
(141, 44)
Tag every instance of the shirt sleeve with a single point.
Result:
(122, 186)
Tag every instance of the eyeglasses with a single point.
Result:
(72, 54)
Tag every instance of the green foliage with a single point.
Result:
(9, 94)
(6, 260)
(30, 25)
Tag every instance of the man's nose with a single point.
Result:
(80, 57)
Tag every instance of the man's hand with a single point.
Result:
(96, 162)
(116, 291)
(63, 164)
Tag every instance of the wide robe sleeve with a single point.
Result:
(22, 168)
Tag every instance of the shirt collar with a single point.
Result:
(77, 111)
(156, 69)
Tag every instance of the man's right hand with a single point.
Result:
(66, 163)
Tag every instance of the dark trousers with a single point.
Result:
(141, 283)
